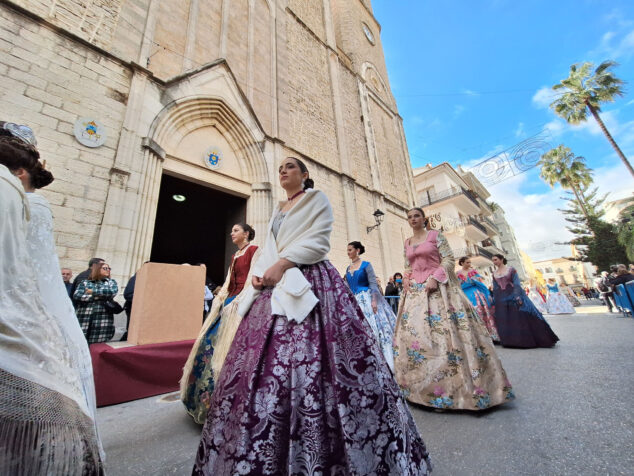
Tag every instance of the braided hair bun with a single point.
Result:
(40, 177)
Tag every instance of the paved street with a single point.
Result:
(572, 415)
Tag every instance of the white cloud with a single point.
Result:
(544, 96)
(555, 127)
(458, 110)
(519, 131)
(537, 223)
(615, 45)
(536, 220)
(469, 92)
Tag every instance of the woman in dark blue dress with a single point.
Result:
(519, 322)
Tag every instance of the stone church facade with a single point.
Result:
(168, 81)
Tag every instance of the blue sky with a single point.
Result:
(471, 79)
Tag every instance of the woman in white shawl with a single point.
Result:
(305, 388)
(46, 423)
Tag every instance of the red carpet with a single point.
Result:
(134, 372)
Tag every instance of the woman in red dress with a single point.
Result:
(209, 352)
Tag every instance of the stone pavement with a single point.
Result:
(572, 416)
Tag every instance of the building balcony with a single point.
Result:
(492, 248)
(490, 226)
(474, 230)
(479, 256)
(463, 199)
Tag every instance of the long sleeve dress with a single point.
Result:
(480, 297)
(46, 426)
(519, 322)
(41, 246)
(557, 303)
(214, 340)
(444, 356)
(307, 393)
(363, 285)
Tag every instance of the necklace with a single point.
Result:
(244, 247)
(296, 195)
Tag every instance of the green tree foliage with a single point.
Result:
(596, 240)
(625, 230)
(584, 91)
(560, 166)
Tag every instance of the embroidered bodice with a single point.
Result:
(240, 270)
(506, 280)
(425, 259)
(277, 223)
(362, 279)
(469, 279)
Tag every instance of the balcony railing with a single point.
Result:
(472, 221)
(490, 223)
(483, 252)
(434, 197)
(476, 251)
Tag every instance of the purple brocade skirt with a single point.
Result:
(310, 398)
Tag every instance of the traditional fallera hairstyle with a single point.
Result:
(248, 229)
(357, 245)
(462, 260)
(17, 151)
(499, 256)
(308, 183)
(426, 222)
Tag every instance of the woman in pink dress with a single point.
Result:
(444, 356)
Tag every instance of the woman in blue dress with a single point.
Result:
(519, 322)
(557, 303)
(472, 285)
(361, 279)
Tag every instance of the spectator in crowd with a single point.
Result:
(93, 265)
(67, 274)
(605, 290)
(96, 321)
(394, 288)
(631, 268)
(622, 276)
(128, 295)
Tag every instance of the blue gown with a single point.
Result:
(557, 303)
(362, 283)
(519, 322)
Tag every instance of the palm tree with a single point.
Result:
(583, 91)
(559, 165)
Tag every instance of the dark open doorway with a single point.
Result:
(193, 223)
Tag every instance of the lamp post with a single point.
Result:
(378, 218)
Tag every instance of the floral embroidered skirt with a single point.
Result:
(315, 397)
(483, 310)
(537, 301)
(382, 323)
(557, 303)
(444, 356)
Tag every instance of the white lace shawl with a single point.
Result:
(41, 246)
(303, 238)
(32, 345)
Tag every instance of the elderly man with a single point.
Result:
(67, 274)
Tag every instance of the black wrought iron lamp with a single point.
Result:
(378, 218)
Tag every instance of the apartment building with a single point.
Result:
(455, 202)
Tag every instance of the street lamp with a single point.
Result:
(378, 218)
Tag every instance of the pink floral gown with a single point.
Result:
(444, 356)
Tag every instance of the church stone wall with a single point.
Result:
(317, 87)
(48, 81)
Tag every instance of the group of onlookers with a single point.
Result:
(93, 292)
(619, 274)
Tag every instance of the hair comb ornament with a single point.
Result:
(25, 133)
